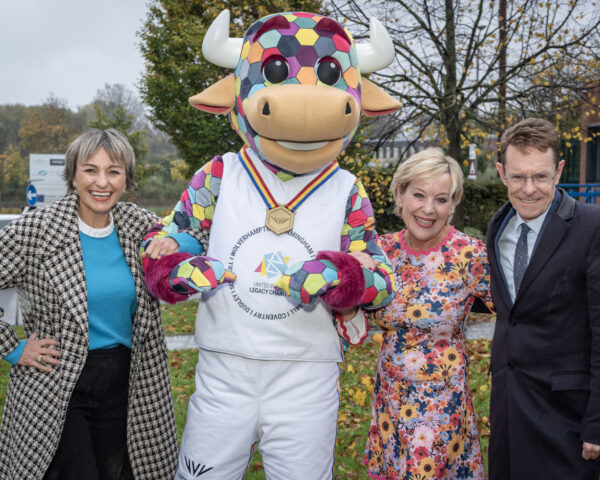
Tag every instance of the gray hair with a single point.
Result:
(113, 142)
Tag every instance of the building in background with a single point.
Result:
(589, 164)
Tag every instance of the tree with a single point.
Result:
(49, 128)
(13, 173)
(122, 120)
(171, 42)
(450, 72)
(116, 96)
(11, 117)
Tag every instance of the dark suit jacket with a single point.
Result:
(546, 351)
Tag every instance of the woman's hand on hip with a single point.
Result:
(39, 354)
(160, 247)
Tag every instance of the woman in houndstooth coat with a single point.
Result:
(43, 254)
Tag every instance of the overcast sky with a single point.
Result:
(70, 48)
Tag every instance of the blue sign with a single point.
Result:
(31, 195)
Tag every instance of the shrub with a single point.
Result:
(478, 204)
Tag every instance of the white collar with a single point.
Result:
(97, 232)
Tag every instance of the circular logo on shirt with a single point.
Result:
(259, 261)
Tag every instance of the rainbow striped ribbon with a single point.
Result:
(265, 193)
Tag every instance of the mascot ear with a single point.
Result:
(374, 101)
(218, 98)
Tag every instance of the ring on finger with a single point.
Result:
(161, 253)
(39, 359)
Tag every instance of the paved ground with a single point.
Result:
(178, 342)
(479, 330)
(474, 331)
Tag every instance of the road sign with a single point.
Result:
(31, 195)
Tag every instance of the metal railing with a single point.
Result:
(590, 192)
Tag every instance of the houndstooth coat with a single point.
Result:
(40, 254)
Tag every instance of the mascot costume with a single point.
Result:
(284, 221)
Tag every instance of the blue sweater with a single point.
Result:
(110, 293)
(110, 290)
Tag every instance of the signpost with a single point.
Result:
(45, 179)
(31, 195)
(472, 161)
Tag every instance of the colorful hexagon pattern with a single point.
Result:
(307, 36)
(302, 39)
(305, 281)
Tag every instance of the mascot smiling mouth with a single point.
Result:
(302, 146)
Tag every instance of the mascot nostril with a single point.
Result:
(284, 218)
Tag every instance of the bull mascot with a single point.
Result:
(287, 228)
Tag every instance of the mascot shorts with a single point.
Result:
(289, 408)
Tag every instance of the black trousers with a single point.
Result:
(93, 444)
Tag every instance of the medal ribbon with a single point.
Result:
(265, 193)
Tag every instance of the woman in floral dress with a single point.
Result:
(423, 423)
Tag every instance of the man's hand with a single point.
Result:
(160, 247)
(590, 451)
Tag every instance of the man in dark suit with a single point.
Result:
(544, 252)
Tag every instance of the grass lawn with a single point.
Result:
(179, 319)
(356, 383)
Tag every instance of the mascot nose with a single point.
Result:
(302, 113)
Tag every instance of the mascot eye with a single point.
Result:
(275, 70)
(329, 71)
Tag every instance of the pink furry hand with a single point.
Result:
(351, 289)
(158, 273)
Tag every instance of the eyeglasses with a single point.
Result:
(538, 179)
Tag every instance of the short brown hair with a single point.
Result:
(113, 142)
(531, 133)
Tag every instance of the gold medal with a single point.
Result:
(279, 219)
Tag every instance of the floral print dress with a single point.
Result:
(423, 422)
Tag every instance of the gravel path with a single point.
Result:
(475, 331)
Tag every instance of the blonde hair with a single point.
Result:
(113, 142)
(427, 165)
